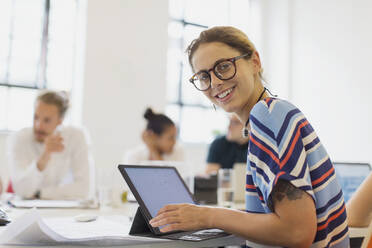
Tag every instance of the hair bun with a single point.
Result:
(149, 114)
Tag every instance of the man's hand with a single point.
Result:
(53, 143)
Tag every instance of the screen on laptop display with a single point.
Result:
(350, 176)
(158, 186)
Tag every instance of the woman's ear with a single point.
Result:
(256, 62)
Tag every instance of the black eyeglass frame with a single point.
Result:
(232, 60)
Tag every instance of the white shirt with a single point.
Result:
(141, 154)
(68, 175)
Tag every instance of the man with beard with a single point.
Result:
(49, 160)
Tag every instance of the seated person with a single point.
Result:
(49, 160)
(229, 149)
(159, 139)
(359, 207)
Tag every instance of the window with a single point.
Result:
(37, 41)
(198, 122)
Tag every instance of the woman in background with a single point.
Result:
(159, 139)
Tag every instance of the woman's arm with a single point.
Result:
(359, 207)
(293, 224)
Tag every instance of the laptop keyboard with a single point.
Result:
(197, 235)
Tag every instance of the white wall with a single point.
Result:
(3, 168)
(326, 64)
(316, 53)
(125, 68)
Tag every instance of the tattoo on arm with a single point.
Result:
(284, 189)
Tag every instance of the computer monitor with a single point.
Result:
(350, 176)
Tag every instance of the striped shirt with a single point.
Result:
(283, 145)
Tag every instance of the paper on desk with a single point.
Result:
(32, 229)
(45, 204)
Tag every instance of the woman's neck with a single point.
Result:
(260, 93)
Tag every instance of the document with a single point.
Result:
(21, 203)
(32, 229)
(45, 204)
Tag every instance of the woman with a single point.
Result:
(159, 138)
(292, 197)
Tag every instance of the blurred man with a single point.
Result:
(227, 150)
(51, 161)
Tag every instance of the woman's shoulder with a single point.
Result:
(273, 105)
(178, 154)
(135, 154)
(273, 112)
(140, 149)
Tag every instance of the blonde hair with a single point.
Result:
(230, 36)
(58, 98)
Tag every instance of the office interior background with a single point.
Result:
(117, 57)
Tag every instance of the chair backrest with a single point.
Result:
(367, 241)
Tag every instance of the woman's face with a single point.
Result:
(166, 141)
(240, 88)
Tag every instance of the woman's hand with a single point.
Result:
(150, 140)
(184, 217)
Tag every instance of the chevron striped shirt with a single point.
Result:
(283, 145)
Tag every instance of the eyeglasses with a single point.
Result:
(224, 69)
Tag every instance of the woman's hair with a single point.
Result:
(157, 122)
(59, 99)
(230, 36)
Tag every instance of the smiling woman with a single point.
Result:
(288, 169)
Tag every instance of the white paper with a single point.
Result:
(45, 204)
(32, 229)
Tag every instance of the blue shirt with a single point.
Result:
(283, 145)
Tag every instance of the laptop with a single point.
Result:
(154, 187)
(239, 182)
(350, 176)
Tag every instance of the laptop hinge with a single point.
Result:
(139, 225)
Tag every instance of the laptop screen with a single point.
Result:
(351, 176)
(158, 186)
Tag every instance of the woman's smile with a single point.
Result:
(225, 95)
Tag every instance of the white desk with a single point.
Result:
(127, 209)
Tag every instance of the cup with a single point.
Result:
(225, 192)
(105, 197)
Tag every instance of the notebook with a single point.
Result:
(350, 176)
(154, 187)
